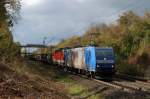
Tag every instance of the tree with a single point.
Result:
(9, 10)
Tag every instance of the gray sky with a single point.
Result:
(58, 19)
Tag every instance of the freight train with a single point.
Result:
(85, 60)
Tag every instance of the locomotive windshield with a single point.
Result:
(104, 53)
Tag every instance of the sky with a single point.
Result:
(55, 20)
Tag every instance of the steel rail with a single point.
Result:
(118, 85)
(115, 84)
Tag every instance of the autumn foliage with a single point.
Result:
(8, 49)
(130, 38)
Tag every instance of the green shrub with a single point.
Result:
(134, 70)
(77, 90)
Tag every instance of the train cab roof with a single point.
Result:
(103, 47)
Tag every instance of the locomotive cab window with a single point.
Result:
(104, 53)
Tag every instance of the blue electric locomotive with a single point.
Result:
(100, 60)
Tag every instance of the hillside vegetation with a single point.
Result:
(130, 38)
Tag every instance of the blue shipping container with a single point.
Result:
(90, 59)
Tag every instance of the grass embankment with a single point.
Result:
(72, 87)
(35, 79)
(82, 91)
(48, 78)
(64, 82)
(23, 79)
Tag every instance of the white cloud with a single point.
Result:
(31, 2)
(64, 18)
(81, 1)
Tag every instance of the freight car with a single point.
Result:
(46, 58)
(58, 57)
(88, 60)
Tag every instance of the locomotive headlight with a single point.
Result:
(112, 66)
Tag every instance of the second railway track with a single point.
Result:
(123, 84)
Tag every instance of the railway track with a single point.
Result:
(129, 77)
(127, 85)
(137, 85)
(121, 87)
(122, 84)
